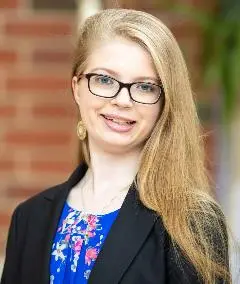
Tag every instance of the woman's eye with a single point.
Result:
(145, 87)
(104, 80)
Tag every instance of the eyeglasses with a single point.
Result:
(107, 87)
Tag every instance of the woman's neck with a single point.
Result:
(106, 183)
(110, 170)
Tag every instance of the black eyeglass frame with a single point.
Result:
(121, 85)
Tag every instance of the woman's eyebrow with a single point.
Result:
(143, 78)
(117, 75)
(111, 72)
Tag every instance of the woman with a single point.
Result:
(138, 209)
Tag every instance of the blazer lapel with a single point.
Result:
(57, 200)
(124, 240)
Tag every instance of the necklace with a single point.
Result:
(116, 196)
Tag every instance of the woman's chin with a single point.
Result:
(117, 145)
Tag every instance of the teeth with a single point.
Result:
(119, 121)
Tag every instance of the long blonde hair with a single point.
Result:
(171, 179)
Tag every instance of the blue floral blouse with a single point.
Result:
(76, 245)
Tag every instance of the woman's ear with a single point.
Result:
(75, 88)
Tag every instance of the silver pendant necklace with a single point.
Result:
(117, 196)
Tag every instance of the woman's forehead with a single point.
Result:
(122, 57)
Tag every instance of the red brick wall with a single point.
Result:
(38, 145)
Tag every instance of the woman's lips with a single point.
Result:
(118, 125)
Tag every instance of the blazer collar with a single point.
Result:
(127, 234)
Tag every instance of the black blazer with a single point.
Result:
(137, 249)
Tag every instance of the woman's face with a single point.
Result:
(118, 124)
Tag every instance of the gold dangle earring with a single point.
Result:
(81, 130)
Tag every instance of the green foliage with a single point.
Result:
(221, 49)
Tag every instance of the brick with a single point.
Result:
(10, 205)
(50, 166)
(5, 218)
(40, 83)
(29, 97)
(8, 111)
(6, 165)
(28, 138)
(8, 56)
(8, 3)
(34, 28)
(53, 111)
(22, 192)
(50, 57)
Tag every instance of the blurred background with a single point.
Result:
(38, 143)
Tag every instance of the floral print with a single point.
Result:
(76, 245)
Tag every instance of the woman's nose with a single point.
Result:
(123, 98)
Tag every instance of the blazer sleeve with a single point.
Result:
(12, 257)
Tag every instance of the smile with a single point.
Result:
(118, 124)
(119, 121)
